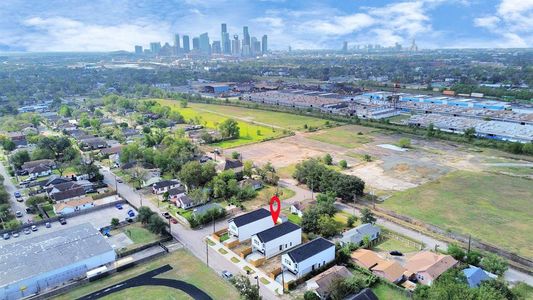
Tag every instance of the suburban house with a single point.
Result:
(184, 201)
(277, 239)
(308, 257)
(61, 187)
(386, 269)
(298, 208)
(428, 266)
(231, 164)
(39, 171)
(474, 276)
(164, 186)
(244, 226)
(53, 180)
(151, 180)
(356, 235)
(202, 209)
(93, 143)
(74, 193)
(321, 284)
(41, 162)
(255, 184)
(73, 206)
(174, 193)
(111, 151)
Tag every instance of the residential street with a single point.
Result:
(11, 189)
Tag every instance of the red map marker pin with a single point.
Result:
(275, 211)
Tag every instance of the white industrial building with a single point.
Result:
(308, 257)
(277, 239)
(244, 226)
(49, 260)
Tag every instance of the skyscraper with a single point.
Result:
(216, 48)
(195, 43)
(205, 46)
(264, 44)
(345, 47)
(225, 42)
(138, 49)
(235, 46)
(245, 36)
(155, 47)
(177, 47)
(186, 44)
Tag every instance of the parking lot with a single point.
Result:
(98, 219)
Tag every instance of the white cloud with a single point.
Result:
(64, 34)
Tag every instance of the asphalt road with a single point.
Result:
(11, 189)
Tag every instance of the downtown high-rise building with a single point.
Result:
(225, 41)
(216, 47)
(205, 46)
(235, 46)
(177, 46)
(195, 43)
(155, 47)
(186, 44)
(138, 49)
(264, 44)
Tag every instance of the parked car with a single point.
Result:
(48, 225)
(173, 221)
(22, 172)
(15, 234)
(18, 214)
(27, 230)
(17, 194)
(119, 180)
(33, 228)
(129, 220)
(6, 236)
(166, 215)
(118, 206)
(396, 253)
(227, 275)
(20, 199)
(62, 221)
(131, 213)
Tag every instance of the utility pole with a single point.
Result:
(206, 252)
(469, 241)
(213, 223)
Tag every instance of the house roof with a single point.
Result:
(357, 233)
(301, 206)
(310, 249)
(249, 182)
(38, 169)
(250, 217)
(390, 269)
(184, 199)
(365, 294)
(366, 258)
(64, 186)
(202, 209)
(326, 278)
(112, 150)
(176, 191)
(230, 164)
(275, 232)
(73, 203)
(165, 183)
(75, 192)
(432, 263)
(474, 276)
(53, 180)
(34, 163)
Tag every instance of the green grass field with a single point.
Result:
(186, 267)
(264, 195)
(148, 293)
(249, 133)
(385, 292)
(390, 244)
(137, 234)
(350, 136)
(497, 209)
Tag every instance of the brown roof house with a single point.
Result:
(428, 266)
(321, 283)
(387, 269)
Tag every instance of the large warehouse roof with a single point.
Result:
(48, 252)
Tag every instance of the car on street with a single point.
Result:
(33, 228)
(396, 253)
(118, 206)
(6, 236)
(20, 199)
(27, 230)
(173, 221)
(166, 215)
(119, 180)
(18, 214)
(16, 234)
(48, 225)
(131, 213)
(17, 194)
(226, 275)
(62, 221)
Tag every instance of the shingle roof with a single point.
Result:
(176, 191)
(474, 276)
(250, 217)
(434, 264)
(75, 192)
(165, 183)
(284, 228)
(365, 294)
(305, 251)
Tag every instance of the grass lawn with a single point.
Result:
(389, 244)
(294, 218)
(287, 171)
(278, 119)
(137, 234)
(524, 291)
(249, 133)
(148, 292)
(224, 237)
(344, 136)
(264, 195)
(495, 208)
(385, 292)
(186, 267)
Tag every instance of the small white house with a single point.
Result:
(39, 171)
(308, 257)
(244, 226)
(184, 201)
(356, 235)
(164, 186)
(277, 239)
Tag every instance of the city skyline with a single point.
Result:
(59, 25)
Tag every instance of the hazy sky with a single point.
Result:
(106, 25)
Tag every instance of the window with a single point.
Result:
(280, 247)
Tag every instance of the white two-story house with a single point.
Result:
(308, 257)
(277, 239)
(244, 226)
